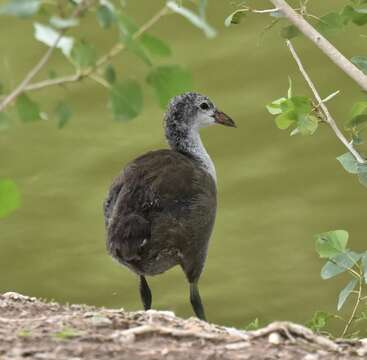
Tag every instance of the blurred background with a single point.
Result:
(275, 191)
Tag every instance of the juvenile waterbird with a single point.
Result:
(160, 210)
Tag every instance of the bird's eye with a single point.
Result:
(204, 106)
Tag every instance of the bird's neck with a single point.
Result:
(189, 143)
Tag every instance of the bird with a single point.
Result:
(160, 210)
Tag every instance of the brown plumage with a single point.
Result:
(160, 210)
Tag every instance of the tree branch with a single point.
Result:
(356, 305)
(28, 78)
(322, 43)
(328, 118)
(115, 50)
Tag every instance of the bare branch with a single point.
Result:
(328, 118)
(356, 305)
(265, 11)
(329, 97)
(53, 82)
(322, 43)
(115, 50)
(28, 78)
(20, 88)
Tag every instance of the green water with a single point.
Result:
(275, 191)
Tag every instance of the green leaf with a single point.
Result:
(9, 197)
(63, 114)
(49, 36)
(235, 17)
(61, 23)
(110, 74)
(364, 266)
(319, 321)
(105, 16)
(331, 22)
(300, 104)
(155, 46)
(127, 29)
(83, 54)
(126, 26)
(27, 109)
(285, 120)
(169, 81)
(349, 163)
(202, 8)
(351, 14)
(126, 100)
(289, 32)
(307, 124)
(360, 62)
(196, 20)
(358, 108)
(339, 264)
(331, 243)
(357, 139)
(4, 121)
(344, 294)
(253, 325)
(21, 8)
(362, 174)
(358, 122)
(275, 107)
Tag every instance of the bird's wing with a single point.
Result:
(159, 182)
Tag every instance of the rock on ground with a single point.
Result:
(34, 329)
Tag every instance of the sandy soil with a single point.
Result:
(34, 329)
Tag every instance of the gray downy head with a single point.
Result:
(186, 115)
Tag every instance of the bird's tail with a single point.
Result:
(126, 236)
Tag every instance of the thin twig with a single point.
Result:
(115, 50)
(294, 330)
(358, 301)
(169, 331)
(329, 97)
(328, 118)
(322, 43)
(265, 11)
(20, 88)
(350, 270)
(53, 82)
(28, 78)
(100, 80)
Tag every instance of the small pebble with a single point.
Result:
(362, 351)
(274, 338)
(311, 357)
(100, 321)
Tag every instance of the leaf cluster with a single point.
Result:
(125, 95)
(332, 246)
(294, 112)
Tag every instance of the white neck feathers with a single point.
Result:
(196, 148)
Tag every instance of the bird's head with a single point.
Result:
(194, 111)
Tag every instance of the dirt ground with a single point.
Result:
(34, 329)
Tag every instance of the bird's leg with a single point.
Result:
(195, 300)
(145, 293)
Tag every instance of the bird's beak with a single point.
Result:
(224, 119)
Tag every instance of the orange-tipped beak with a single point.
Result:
(223, 119)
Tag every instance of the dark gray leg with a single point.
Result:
(195, 300)
(145, 293)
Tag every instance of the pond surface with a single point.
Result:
(275, 191)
